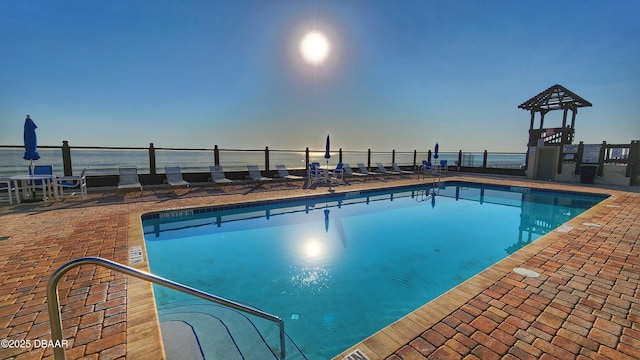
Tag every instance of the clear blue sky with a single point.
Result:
(400, 75)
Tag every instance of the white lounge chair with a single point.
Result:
(349, 172)
(254, 173)
(129, 179)
(384, 171)
(364, 170)
(217, 175)
(397, 169)
(73, 182)
(284, 174)
(174, 176)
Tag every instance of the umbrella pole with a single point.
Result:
(32, 190)
(327, 174)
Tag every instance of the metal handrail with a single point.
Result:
(54, 301)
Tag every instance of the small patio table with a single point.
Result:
(24, 182)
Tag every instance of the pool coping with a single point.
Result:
(144, 338)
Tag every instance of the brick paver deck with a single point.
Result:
(586, 304)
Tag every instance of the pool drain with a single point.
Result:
(526, 272)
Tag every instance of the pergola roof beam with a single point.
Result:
(556, 97)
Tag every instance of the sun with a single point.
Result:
(315, 48)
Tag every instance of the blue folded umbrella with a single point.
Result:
(327, 154)
(30, 140)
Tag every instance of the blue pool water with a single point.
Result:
(339, 268)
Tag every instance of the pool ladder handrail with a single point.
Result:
(435, 173)
(54, 301)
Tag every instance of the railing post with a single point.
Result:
(369, 159)
(579, 158)
(216, 155)
(429, 156)
(152, 159)
(66, 158)
(306, 159)
(484, 160)
(459, 160)
(415, 158)
(340, 155)
(603, 151)
(393, 155)
(633, 161)
(561, 150)
(266, 158)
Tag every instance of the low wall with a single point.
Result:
(613, 174)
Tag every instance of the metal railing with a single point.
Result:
(54, 301)
(104, 161)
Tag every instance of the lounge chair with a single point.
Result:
(129, 179)
(254, 173)
(6, 184)
(384, 171)
(284, 174)
(73, 182)
(217, 175)
(174, 176)
(349, 172)
(397, 169)
(315, 173)
(364, 170)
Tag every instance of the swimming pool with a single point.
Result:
(338, 268)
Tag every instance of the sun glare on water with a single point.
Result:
(315, 48)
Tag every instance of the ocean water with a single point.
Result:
(106, 162)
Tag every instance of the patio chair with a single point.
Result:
(73, 182)
(384, 171)
(444, 168)
(364, 170)
(426, 167)
(315, 173)
(40, 170)
(284, 174)
(349, 172)
(254, 174)
(338, 173)
(6, 184)
(174, 176)
(37, 185)
(217, 175)
(397, 169)
(129, 178)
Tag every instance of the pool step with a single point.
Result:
(208, 331)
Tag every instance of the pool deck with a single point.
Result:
(584, 305)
